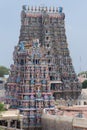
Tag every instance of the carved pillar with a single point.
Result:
(15, 124)
(21, 124)
(9, 121)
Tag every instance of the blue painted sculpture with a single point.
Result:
(60, 9)
(21, 46)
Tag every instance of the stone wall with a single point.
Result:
(52, 122)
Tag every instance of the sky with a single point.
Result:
(75, 25)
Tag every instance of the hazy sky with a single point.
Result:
(76, 28)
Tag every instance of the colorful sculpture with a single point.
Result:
(21, 46)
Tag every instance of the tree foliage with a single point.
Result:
(3, 71)
(2, 108)
(84, 84)
(81, 73)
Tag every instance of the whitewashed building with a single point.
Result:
(82, 100)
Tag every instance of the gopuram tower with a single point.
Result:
(42, 65)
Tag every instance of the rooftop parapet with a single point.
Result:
(42, 9)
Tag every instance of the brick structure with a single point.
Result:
(42, 65)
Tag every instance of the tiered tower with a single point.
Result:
(42, 65)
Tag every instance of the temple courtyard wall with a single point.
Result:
(12, 120)
(52, 122)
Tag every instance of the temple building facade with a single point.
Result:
(42, 65)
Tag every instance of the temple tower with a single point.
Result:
(42, 65)
(48, 25)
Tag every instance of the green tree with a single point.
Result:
(84, 84)
(2, 108)
(81, 73)
(3, 71)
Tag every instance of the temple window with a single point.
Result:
(52, 86)
(47, 38)
(48, 52)
(46, 31)
(47, 45)
(85, 103)
(30, 75)
(29, 20)
(44, 75)
(40, 20)
(49, 68)
(52, 78)
(33, 61)
(49, 61)
(36, 61)
(22, 62)
(50, 20)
